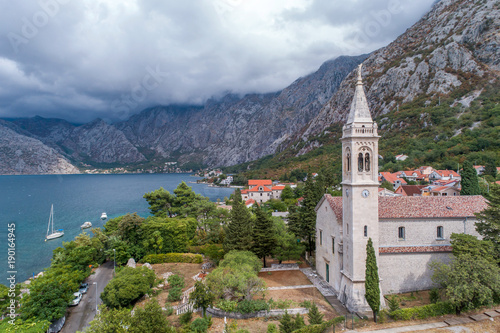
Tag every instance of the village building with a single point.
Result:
(408, 232)
(262, 190)
(393, 179)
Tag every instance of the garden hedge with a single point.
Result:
(173, 257)
(423, 312)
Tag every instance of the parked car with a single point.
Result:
(77, 299)
(57, 325)
(83, 288)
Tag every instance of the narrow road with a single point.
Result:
(81, 315)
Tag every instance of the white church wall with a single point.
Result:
(404, 272)
(328, 229)
(423, 232)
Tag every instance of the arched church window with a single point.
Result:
(360, 162)
(367, 162)
(348, 160)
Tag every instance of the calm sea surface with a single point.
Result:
(26, 200)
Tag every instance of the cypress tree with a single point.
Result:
(372, 289)
(312, 194)
(239, 229)
(469, 182)
(264, 238)
(315, 317)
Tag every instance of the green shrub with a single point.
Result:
(306, 304)
(271, 328)
(322, 327)
(434, 295)
(423, 312)
(169, 310)
(199, 325)
(174, 294)
(173, 257)
(249, 306)
(129, 285)
(393, 303)
(185, 318)
(228, 306)
(176, 281)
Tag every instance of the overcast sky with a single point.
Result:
(83, 59)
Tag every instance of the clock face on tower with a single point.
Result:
(365, 193)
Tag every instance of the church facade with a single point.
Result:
(407, 232)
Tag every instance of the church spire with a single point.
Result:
(359, 107)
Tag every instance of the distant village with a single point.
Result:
(423, 181)
(167, 167)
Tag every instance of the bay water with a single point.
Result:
(26, 200)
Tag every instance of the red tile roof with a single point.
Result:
(447, 173)
(419, 207)
(278, 187)
(410, 190)
(249, 201)
(244, 191)
(256, 189)
(392, 177)
(336, 205)
(259, 182)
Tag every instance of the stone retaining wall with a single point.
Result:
(236, 315)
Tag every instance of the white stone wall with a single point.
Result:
(423, 232)
(408, 271)
(328, 226)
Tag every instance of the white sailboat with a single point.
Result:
(53, 234)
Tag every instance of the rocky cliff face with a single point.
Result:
(451, 50)
(234, 130)
(20, 154)
(96, 141)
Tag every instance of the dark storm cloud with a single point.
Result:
(85, 59)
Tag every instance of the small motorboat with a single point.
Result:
(104, 216)
(86, 225)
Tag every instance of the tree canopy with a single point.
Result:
(488, 224)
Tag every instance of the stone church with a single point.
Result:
(408, 233)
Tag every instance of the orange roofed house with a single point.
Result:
(261, 190)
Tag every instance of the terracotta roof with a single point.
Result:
(335, 203)
(249, 201)
(244, 191)
(432, 207)
(259, 182)
(410, 190)
(278, 187)
(419, 207)
(256, 189)
(392, 177)
(447, 173)
(439, 188)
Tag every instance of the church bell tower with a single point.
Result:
(359, 198)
